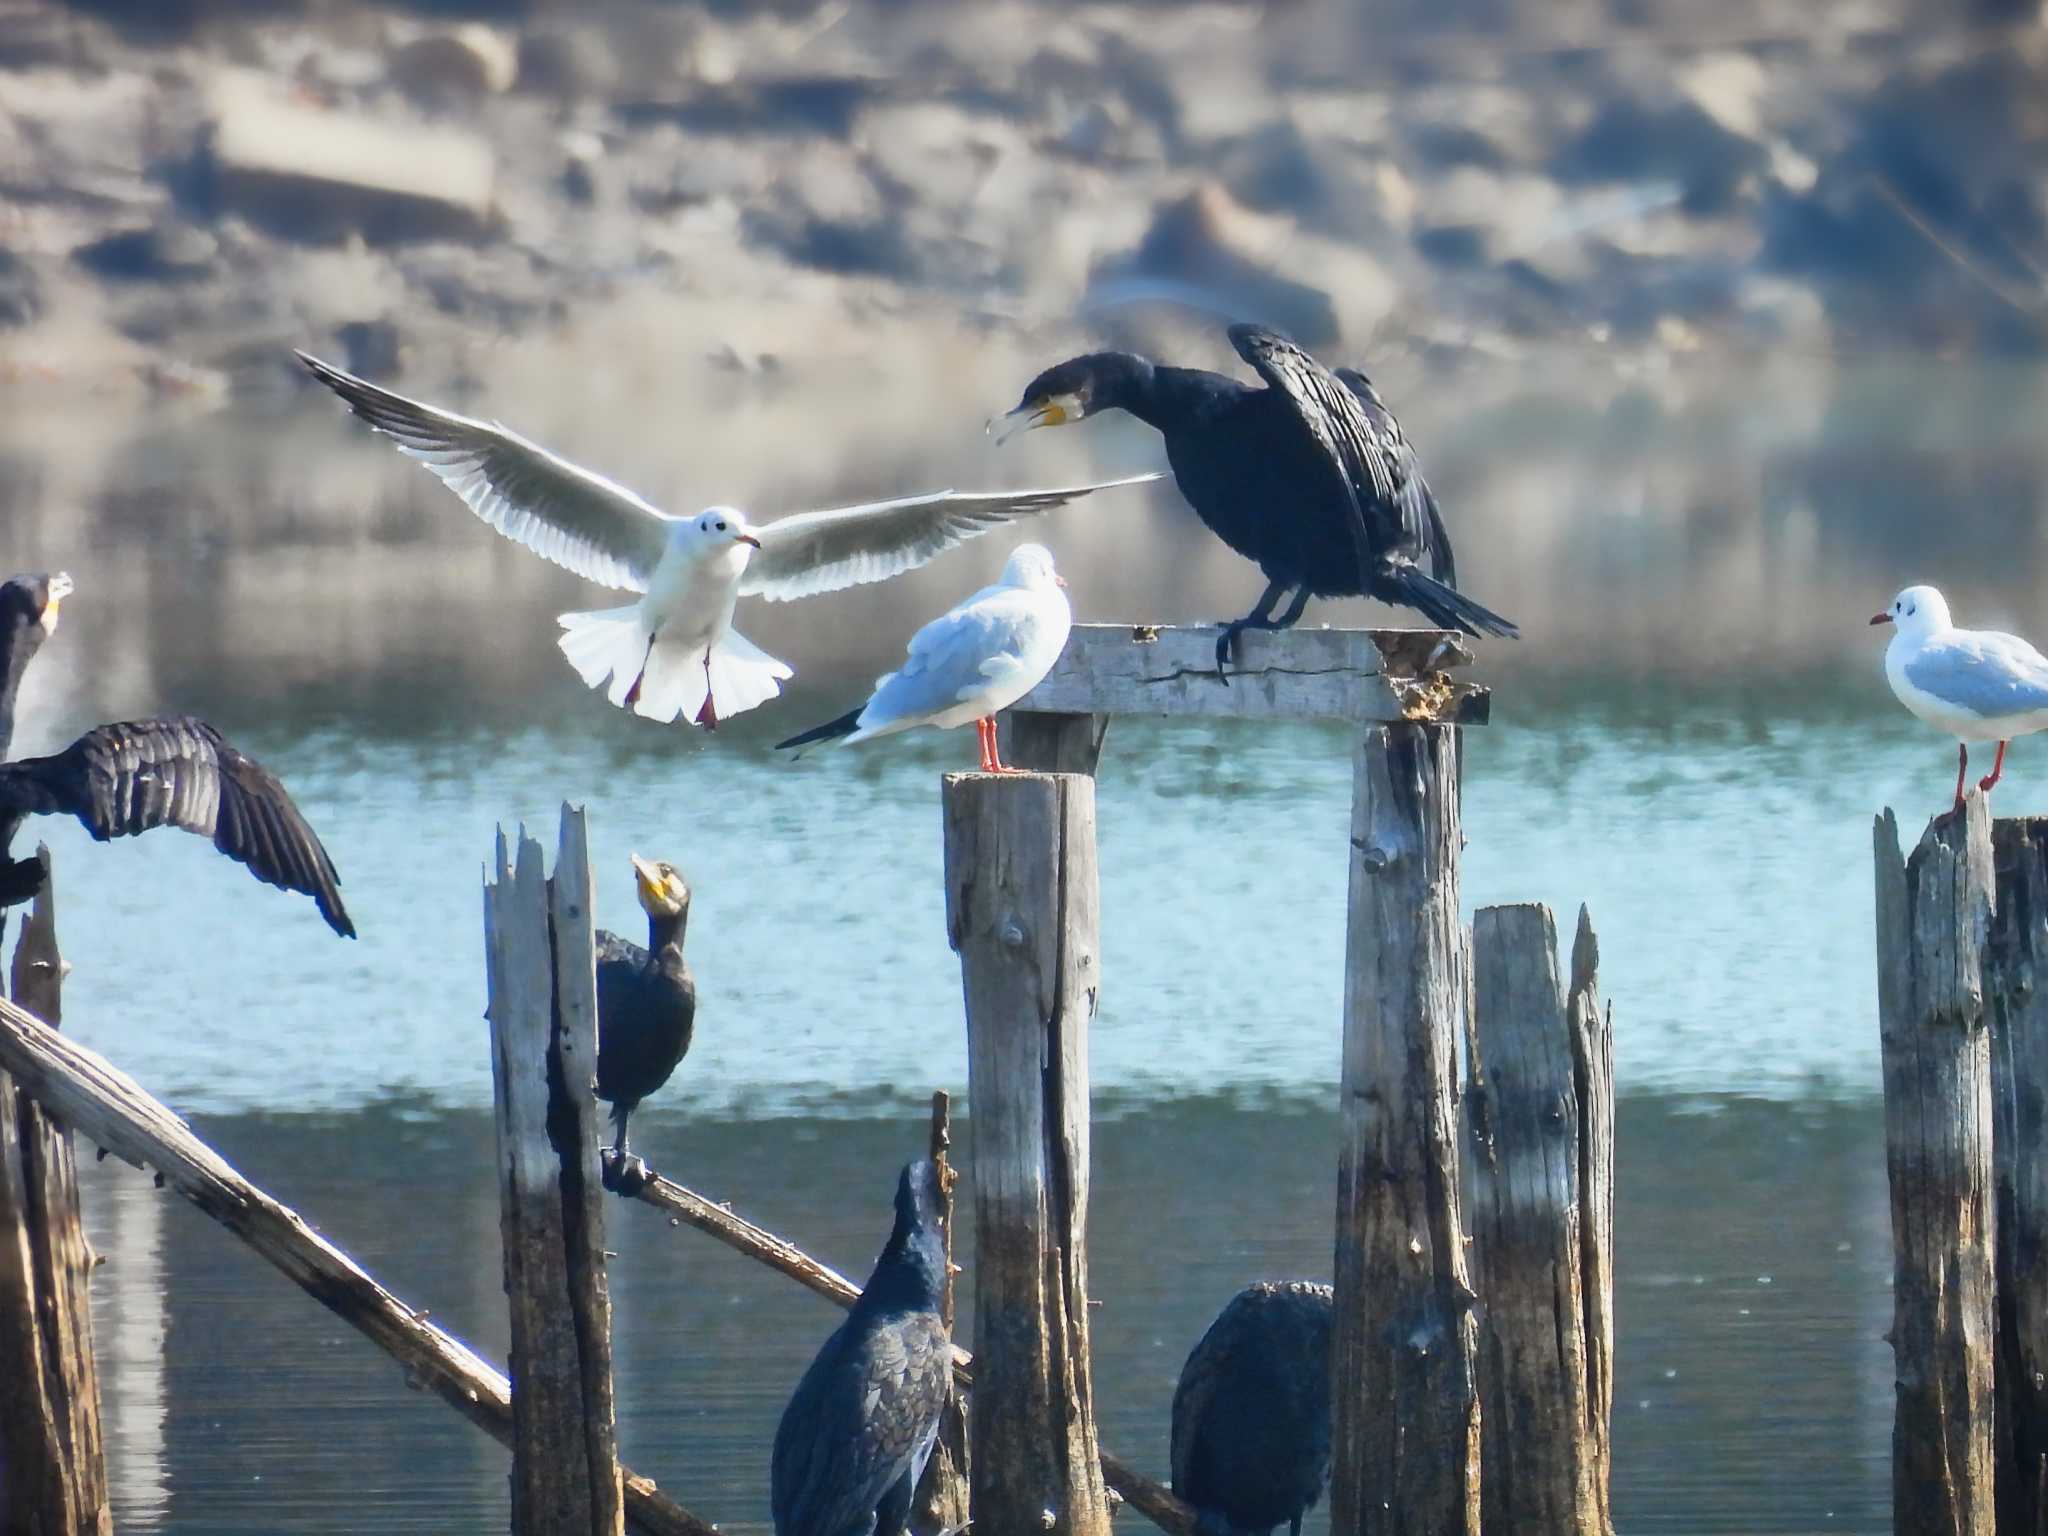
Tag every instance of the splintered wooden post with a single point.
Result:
(1535, 1222)
(2016, 988)
(1405, 1445)
(942, 1496)
(543, 1016)
(1933, 917)
(53, 1473)
(1021, 909)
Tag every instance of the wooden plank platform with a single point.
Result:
(1363, 675)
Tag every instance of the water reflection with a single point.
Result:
(1752, 1378)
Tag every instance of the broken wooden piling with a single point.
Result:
(2016, 991)
(942, 1494)
(1405, 1446)
(543, 1016)
(53, 1472)
(1540, 1112)
(1021, 910)
(1933, 920)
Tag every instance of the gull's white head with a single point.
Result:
(1917, 611)
(717, 528)
(1030, 566)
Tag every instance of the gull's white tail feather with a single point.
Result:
(609, 642)
(673, 677)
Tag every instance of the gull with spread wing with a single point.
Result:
(675, 653)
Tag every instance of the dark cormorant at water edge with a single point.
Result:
(1251, 1416)
(1310, 478)
(859, 1427)
(119, 780)
(646, 1010)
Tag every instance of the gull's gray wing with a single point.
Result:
(596, 528)
(812, 552)
(955, 655)
(1987, 673)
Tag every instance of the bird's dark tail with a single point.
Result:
(845, 725)
(1447, 607)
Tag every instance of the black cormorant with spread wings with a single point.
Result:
(1251, 1416)
(859, 1427)
(674, 654)
(1310, 477)
(646, 1010)
(119, 780)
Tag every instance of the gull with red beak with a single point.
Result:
(971, 662)
(674, 654)
(1975, 684)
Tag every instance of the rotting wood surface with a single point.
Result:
(53, 1472)
(2016, 990)
(1541, 1437)
(1405, 1442)
(1360, 675)
(1022, 911)
(100, 1102)
(1933, 919)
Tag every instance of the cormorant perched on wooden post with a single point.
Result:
(1251, 1416)
(859, 1427)
(122, 779)
(646, 1010)
(1310, 478)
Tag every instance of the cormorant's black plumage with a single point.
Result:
(854, 1439)
(1310, 477)
(646, 1003)
(122, 779)
(1251, 1416)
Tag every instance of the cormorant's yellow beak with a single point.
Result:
(652, 886)
(1053, 411)
(60, 588)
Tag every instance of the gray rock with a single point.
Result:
(447, 67)
(154, 253)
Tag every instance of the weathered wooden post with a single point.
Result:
(1021, 909)
(1540, 1106)
(942, 1498)
(53, 1473)
(2016, 988)
(543, 1016)
(1406, 1405)
(1933, 920)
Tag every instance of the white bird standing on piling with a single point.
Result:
(970, 663)
(1975, 684)
(675, 653)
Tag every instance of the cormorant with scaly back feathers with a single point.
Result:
(646, 1010)
(122, 779)
(1310, 478)
(858, 1429)
(1251, 1416)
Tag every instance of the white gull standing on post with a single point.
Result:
(1975, 684)
(675, 653)
(973, 661)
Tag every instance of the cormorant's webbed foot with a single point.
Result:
(1261, 617)
(621, 1172)
(20, 879)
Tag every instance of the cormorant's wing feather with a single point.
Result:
(119, 780)
(1418, 503)
(593, 526)
(812, 552)
(1337, 423)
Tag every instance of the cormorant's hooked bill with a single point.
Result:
(1310, 477)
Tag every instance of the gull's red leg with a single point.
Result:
(985, 738)
(707, 712)
(1962, 767)
(1997, 767)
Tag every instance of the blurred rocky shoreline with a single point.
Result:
(191, 186)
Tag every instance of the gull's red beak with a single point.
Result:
(1880, 618)
(748, 538)
(1059, 581)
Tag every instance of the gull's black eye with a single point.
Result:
(721, 527)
